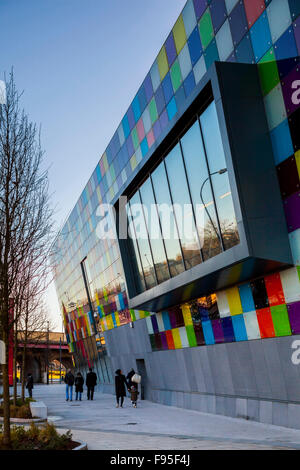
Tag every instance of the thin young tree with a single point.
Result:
(25, 213)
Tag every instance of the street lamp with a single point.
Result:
(220, 172)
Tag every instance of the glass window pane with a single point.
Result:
(201, 193)
(220, 182)
(142, 240)
(152, 222)
(183, 207)
(168, 226)
(135, 257)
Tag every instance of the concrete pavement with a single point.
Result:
(155, 426)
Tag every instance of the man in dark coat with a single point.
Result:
(29, 384)
(91, 382)
(69, 381)
(120, 387)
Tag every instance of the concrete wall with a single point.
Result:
(254, 380)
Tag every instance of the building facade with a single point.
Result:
(181, 258)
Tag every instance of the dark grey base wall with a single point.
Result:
(254, 380)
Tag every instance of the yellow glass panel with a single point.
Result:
(179, 34)
(133, 162)
(176, 338)
(186, 312)
(117, 319)
(162, 62)
(234, 301)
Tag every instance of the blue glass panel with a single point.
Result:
(170, 49)
(218, 13)
(195, 46)
(238, 23)
(282, 142)
(148, 87)
(166, 320)
(98, 172)
(142, 97)
(246, 298)
(261, 37)
(180, 97)
(136, 109)
(125, 125)
(239, 328)
(211, 54)
(144, 146)
(228, 329)
(189, 84)
(130, 147)
(167, 87)
(160, 100)
(172, 109)
(294, 8)
(244, 51)
(130, 116)
(286, 46)
(208, 332)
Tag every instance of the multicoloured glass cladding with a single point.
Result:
(246, 31)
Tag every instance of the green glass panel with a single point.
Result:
(281, 320)
(206, 29)
(135, 139)
(133, 318)
(191, 335)
(153, 110)
(298, 270)
(112, 172)
(176, 75)
(268, 72)
(152, 341)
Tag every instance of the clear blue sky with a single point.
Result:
(80, 63)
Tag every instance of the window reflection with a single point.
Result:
(168, 225)
(152, 222)
(220, 182)
(187, 214)
(135, 257)
(182, 208)
(201, 193)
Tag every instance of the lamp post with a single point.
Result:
(220, 172)
(60, 359)
(47, 362)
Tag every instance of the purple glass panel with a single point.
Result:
(218, 13)
(154, 323)
(148, 87)
(218, 331)
(158, 341)
(228, 330)
(289, 92)
(131, 119)
(297, 33)
(170, 49)
(200, 7)
(164, 120)
(129, 145)
(156, 129)
(164, 342)
(294, 316)
(292, 211)
(172, 316)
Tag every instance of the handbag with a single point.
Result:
(136, 378)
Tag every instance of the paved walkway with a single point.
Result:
(157, 427)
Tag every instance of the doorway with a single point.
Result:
(141, 370)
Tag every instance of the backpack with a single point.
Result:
(136, 378)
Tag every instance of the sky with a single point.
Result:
(80, 64)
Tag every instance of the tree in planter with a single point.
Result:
(25, 213)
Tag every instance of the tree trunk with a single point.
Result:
(15, 364)
(6, 402)
(23, 372)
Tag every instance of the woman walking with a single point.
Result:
(120, 387)
(79, 381)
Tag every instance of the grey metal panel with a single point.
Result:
(280, 414)
(265, 412)
(293, 416)
(220, 369)
(290, 372)
(274, 369)
(183, 382)
(260, 369)
(241, 407)
(200, 377)
(189, 366)
(242, 369)
(253, 409)
(207, 371)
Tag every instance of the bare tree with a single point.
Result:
(25, 213)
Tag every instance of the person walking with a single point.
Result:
(79, 381)
(129, 377)
(120, 387)
(29, 384)
(69, 381)
(91, 382)
(134, 395)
